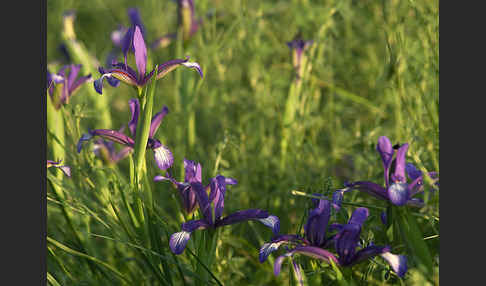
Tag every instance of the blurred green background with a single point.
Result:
(373, 70)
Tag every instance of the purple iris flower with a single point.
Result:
(396, 190)
(65, 169)
(65, 83)
(134, 41)
(192, 175)
(345, 241)
(162, 155)
(212, 215)
(106, 150)
(297, 47)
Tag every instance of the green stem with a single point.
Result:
(55, 130)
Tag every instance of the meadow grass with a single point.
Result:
(372, 71)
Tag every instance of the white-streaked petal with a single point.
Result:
(397, 262)
(272, 222)
(163, 157)
(178, 241)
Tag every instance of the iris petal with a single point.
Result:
(163, 157)
(272, 222)
(178, 241)
(397, 262)
(398, 193)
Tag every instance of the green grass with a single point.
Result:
(373, 71)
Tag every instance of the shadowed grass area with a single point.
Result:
(372, 70)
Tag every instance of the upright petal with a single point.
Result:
(157, 120)
(399, 174)
(135, 18)
(359, 216)
(346, 242)
(218, 190)
(203, 201)
(369, 188)
(316, 226)
(241, 216)
(386, 151)
(192, 171)
(134, 105)
(73, 74)
(140, 52)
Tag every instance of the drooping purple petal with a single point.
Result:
(272, 222)
(398, 193)
(178, 240)
(369, 188)
(114, 136)
(311, 251)
(399, 174)
(316, 226)
(163, 156)
(119, 74)
(84, 138)
(268, 248)
(157, 120)
(140, 52)
(124, 76)
(168, 66)
(385, 148)
(134, 105)
(368, 252)
(277, 266)
(397, 262)
(241, 216)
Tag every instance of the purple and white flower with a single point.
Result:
(162, 155)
